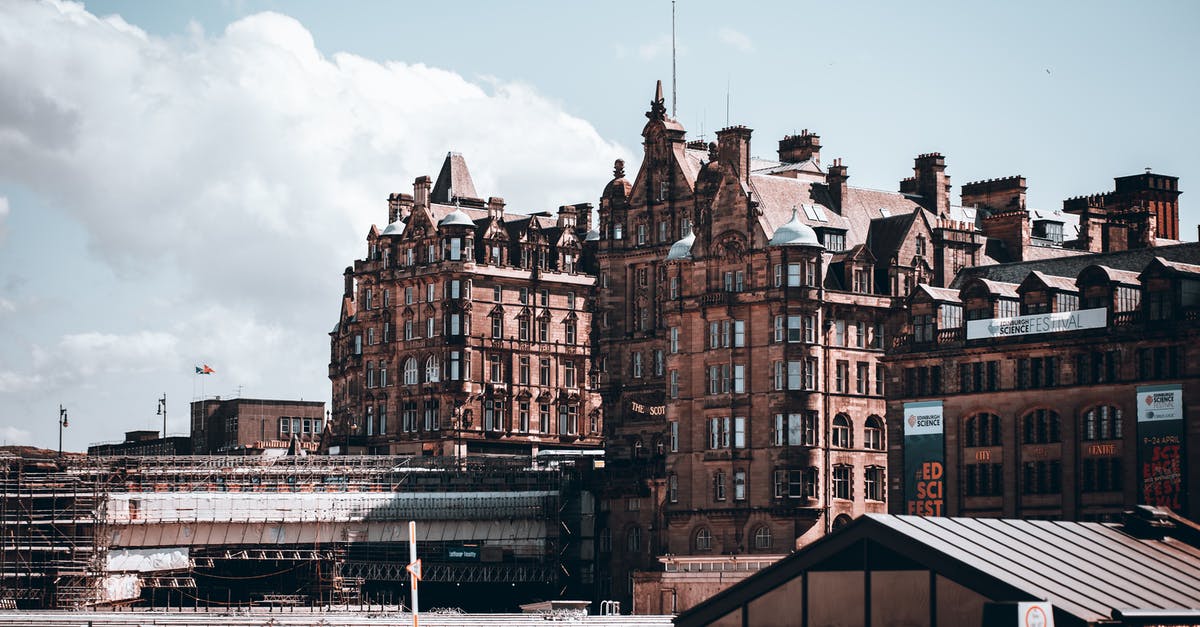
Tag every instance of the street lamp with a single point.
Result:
(162, 411)
(62, 424)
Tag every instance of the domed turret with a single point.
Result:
(683, 248)
(795, 233)
(458, 217)
(394, 228)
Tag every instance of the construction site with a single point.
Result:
(292, 532)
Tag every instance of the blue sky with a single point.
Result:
(183, 182)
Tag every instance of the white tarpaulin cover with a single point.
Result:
(120, 587)
(147, 560)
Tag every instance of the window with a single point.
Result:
(739, 379)
(951, 316)
(842, 477)
(739, 333)
(637, 365)
(1102, 423)
(796, 429)
(762, 538)
(793, 274)
(674, 340)
(674, 383)
(429, 327)
(523, 370)
(543, 330)
(674, 288)
(880, 375)
(493, 415)
(432, 369)
(739, 432)
(568, 420)
(641, 234)
(432, 408)
(719, 485)
(544, 417)
(495, 369)
(796, 484)
(659, 362)
(633, 540)
(873, 483)
(981, 429)
(1102, 474)
(841, 381)
(544, 296)
(704, 540)
(862, 382)
(673, 488)
(862, 280)
(1041, 477)
(410, 371)
(810, 373)
(873, 433)
(739, 485)
(923, 328)
(371, 341)
(569, 374)
(544, 371)
(569, 331)
(983, 479)
(497, 326)
(841, 431)
(523, 328)
(1041, 426)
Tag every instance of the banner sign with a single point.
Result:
(1035, 615)
(1038, 323)
(1160, 445)
(924, 458)
(462, 553)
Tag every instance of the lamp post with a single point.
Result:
(62, 423)
(162, 411)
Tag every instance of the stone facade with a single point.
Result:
(250, 425)
(1046, 425)
(466, 330)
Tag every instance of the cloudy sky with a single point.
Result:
(182, 183)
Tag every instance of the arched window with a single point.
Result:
(1042, 426)
(432, 369)
(982, 429)
(873, 433)
(762, 538)
(703, 540)
(841, 431)
(1102, 423)
(633, 539)
(410, 371)
(606, 540)
(841, 521)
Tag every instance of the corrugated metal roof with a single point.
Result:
(1086, 569)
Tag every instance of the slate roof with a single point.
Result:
(1069, 266)
(886, 235)
(1086, 570)
(454, 180)
(1061, 283)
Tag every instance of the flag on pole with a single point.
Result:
(204, 369)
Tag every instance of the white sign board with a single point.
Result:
(1035, 615)
(924, 418)
(1034, 324)
(1159, 402)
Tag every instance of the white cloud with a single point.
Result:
(244, 167)
(14, 436)
(735, 39)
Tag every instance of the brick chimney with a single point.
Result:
(835, 179)
(799, 148)
(566, 216)
(421, 188)
(1092, 220)
(930, 182)
(996, 195)
(733, 150)
(399, 206)
(495, 208)
(1012, 228)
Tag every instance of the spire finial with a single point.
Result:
(658, 107)
(619, 169)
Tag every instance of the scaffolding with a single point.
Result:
(318, 528)
(48, 519)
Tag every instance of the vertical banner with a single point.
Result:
(924, 458)
(1160, 446)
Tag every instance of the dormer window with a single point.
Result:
(834, 240)
(920, 246)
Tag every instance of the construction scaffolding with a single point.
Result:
(231, 530)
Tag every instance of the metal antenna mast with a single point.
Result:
(674, 98)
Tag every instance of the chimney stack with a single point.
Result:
(733, 150)
(800, 148)
(996, 195)
(835, 179)
(421, 188)
(930, 182)
(399, 206)
(495, 208)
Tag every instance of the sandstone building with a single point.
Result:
(466, 329)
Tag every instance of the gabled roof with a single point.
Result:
(1123, 277)
(940, 294)
(886, 235)
(996, 288)
(1086, 570)
(1061, 283)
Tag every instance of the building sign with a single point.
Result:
(461, 553)
(924, 459)
(649, 410)
(1038, 323)
(1160, 445)
(1035, 615)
